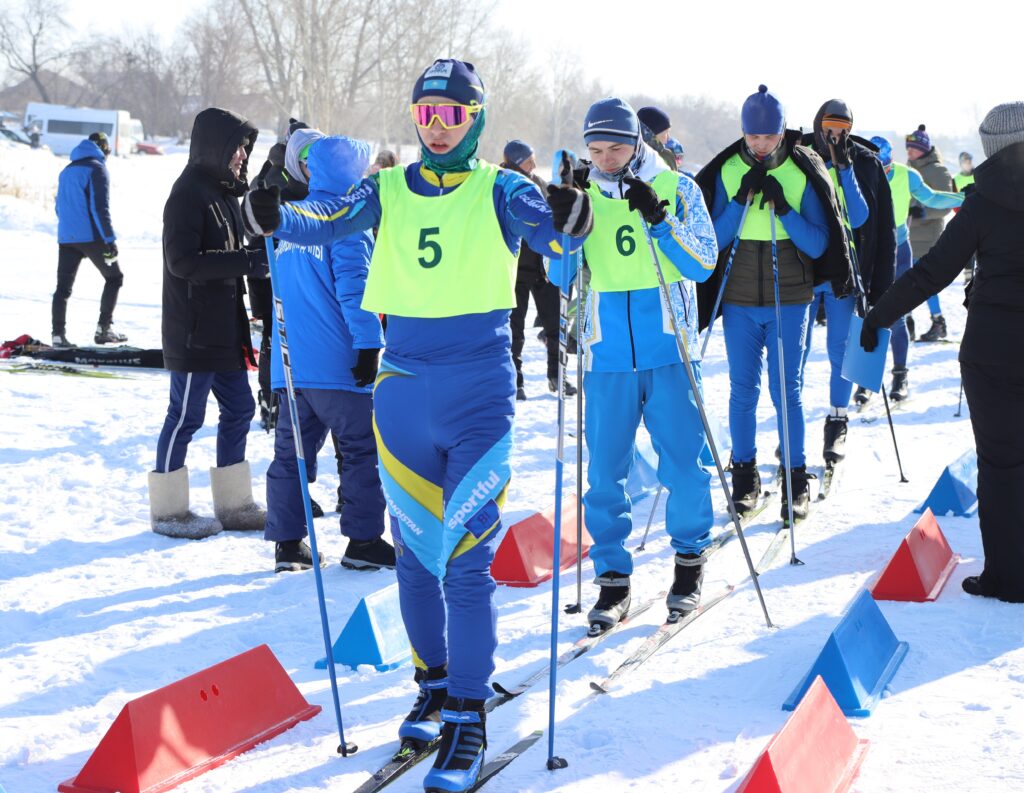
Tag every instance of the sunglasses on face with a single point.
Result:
(449, 116)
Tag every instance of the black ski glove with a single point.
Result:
(570, 210)
(643, 199)
(771, 190)
(917, 211)
(261, 211)
(365, 370)
(750, 185)
(110, 254)
(869, 333)
(840, 148)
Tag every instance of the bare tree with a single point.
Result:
(32, 39)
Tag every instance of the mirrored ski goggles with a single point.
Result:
(450, 116)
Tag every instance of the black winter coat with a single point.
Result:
(205, 328)
(991, 223)
(832, 266)
(876, 239)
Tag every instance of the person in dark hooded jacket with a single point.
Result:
(990, 224)
(206, 341)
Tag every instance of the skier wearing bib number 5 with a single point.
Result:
(633, 365)
(444, 271)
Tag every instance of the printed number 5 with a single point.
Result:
(431, 245)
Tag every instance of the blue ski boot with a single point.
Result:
(461, 753)
(423, 724)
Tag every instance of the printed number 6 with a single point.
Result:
(432, 246)
(624, 241)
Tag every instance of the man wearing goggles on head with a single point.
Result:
(444, 271)
(866, 208)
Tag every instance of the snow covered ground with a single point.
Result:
(95, 609)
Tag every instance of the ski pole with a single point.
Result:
(577, 607)
(684, 353)
(344, 748)
(561, 167)
(960, 402)
(863, 301)
(650, 518)
(787, 454)
(725, 277)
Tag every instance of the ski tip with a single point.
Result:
(598, 688)
(500, 689)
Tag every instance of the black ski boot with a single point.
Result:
(910, 327)
(316, 509)
(569, 388)
(937, 330)
(368, 555)
(60, 342)
(801, 494)
(521, 394)
(819, 316)
(106, 335)
(612, 604)
(746, 485)
(835, 439)
(291, 556)
(461, 753)
(900, 385)
(862, 396)
(423, 724)
(685, 593)
(270, 405)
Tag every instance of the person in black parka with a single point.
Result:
(990, 224)
(206, 341)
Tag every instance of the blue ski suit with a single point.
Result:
(444, 403)
(634, 371)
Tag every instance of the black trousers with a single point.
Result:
(995, 395)
(68, 259)
(545, 296)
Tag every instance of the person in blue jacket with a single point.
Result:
(633, 366)
(333, 349)
(84, 230)
(768, 168)
(905, 184)
(443, 271)
(863, 194)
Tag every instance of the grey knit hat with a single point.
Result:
(1003, 125)
(299, 139)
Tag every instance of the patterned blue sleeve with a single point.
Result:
(688, 237)
(320, 222)
(727, 214)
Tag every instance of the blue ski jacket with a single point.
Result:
(933, 199)
(83, 197)
(321, 286)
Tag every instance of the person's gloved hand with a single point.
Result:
(750, 185)
(365, 370)
(917, 211)
(110, 253)
(643, 199)
(261, 210)
(869, 333)
(840, 148)
(771, 190)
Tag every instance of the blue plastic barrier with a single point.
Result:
(374, 634)
(956, 491)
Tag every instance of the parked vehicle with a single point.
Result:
(62, 128)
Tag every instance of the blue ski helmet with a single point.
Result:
(611, 119)
(884, 149)
(763, 114)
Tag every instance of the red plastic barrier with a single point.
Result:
(524, 557)
(816, 751)
(921, 566)
(182, 730)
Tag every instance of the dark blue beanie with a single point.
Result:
(454, 80)
(655, 119)
(763, 114)
(611, 119)
(517, 152)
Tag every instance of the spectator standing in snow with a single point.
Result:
(84, 230)
(206, 340)
(991, 224)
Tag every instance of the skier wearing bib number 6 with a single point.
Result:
(633, 365)
(444, 271)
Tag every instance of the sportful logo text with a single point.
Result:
(481, 493)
